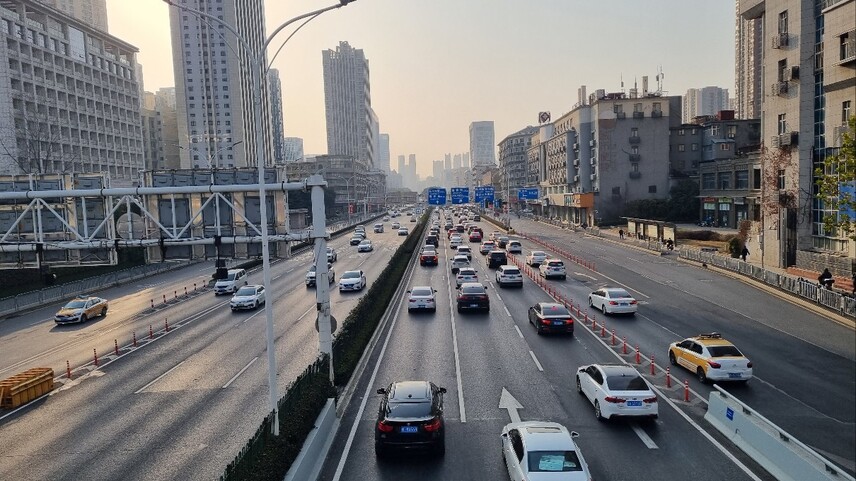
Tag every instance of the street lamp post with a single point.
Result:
(257, 71)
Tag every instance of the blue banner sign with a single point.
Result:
(436, 196)
(484, 193)
(460, 195)
(526, 194)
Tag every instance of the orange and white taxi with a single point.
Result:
(711, 357)
(80, 309)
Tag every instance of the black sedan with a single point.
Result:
(551, 317)
(472, 295)
(410, 417)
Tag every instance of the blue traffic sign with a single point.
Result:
(436, 196)
(528, 193)
(484, 193)
(460, 195)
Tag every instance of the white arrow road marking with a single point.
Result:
(649, 443)
(507, 401)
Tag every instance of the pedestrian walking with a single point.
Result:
(621, 233)
(744, 253)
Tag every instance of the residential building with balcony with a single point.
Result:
(512, 163)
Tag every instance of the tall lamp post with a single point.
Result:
(258, 70)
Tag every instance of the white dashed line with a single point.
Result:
(518, 331)
(240, 372)
(537, 364)
(649, 443)
(506, 311)
(138, 391)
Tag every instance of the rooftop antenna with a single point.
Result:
(621, 77)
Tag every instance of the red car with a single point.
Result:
(428, 257)
(475, 236)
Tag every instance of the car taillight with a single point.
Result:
(613, 399)
(545, 321)
(650, 400)
(569, 321)
(483, 297)
(714, 365)
(613, 303)
(435, 258)
(748, 364)
(632, 302)
(432, 425)
(384, 427)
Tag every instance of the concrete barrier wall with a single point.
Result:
(778, 452)
(309, 462)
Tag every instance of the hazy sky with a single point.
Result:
(437, 65)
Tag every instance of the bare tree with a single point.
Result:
(38, 145)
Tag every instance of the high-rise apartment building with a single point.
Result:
(383, 154)
(401, 166)
(89, 12)
(482, 144)
(276, 119)
(466, 160)
(456, 161)
(165, 96)
(411, 178)
(512, 162)
(292, 149)
(807, 62)
(160, 132)
(68, 96)
(374, 138)
(703, 101)
(213, 89)
(348, 103)
(747, 66)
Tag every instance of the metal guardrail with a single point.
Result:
(32, 299)
(836, 301)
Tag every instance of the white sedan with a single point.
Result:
(466, 274)
(514, 247)
(248, 297)
(365, 246)
(538, 450)
(458, 262)
(613, 300)
(402, 231)
(455, 241)
(352, 281)
(535, 258)
(616, 390)
(421, 297)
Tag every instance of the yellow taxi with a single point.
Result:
(80, 309)
(711, 357)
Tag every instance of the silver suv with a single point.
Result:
(509, 275)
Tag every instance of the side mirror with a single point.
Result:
(435, 290)
(408, 291)
(381, 391)
(443, 390)
(485, 286)
(575, 434)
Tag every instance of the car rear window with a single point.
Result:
(619, 294)
(554, 461)
(724, 351)
(512, 272)
(626, 383)
(556, 311)
(421, 292)
(473, 290)
(408, 410)
(556, 264)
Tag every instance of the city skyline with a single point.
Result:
(423, 85)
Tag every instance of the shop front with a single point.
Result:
(708, 210)
(724, 211)
(580, 208)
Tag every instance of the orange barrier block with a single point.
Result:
(26, 386)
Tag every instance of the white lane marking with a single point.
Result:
(518, 331)
(497, 295)
(307, 312)
(240, 372)
(369, 388)
(138, 391)
(506, 310)
(457, 361)
(585, 275)
(537, 364)
(258, 311)
(635, 260)
(646, 440)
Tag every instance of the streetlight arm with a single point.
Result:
(289, 38)
(299, 17)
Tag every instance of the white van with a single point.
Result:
(378, 228)
(235, 279)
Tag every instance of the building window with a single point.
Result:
(782, 70)
(782, 124)
(637, 107)
(741, 179)
(616, 191)
(693, 131)
(681, 147)
(681, 132)
(756, 178)
(783, 22)
(694, 147)
(846, 111)
(723, 180)
(781, 179)
(634, 132)
(708, 181)
(634, 150)
(848, 45)
(618, 108)
(724, 146)
(731, 131)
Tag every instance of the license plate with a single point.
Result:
(624, 304)
(422, 304)
(474, 305)
(634, 404)
(735, 375)
(409, 429)
(558, 323)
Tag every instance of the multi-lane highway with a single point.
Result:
(804, 371)
(182, 406)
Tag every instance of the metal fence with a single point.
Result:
(836, 301)
(32, 299)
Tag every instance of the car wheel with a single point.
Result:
(672, 359)
(104, 312)
(604, 310)
(579, 387)
(591, 304)
(597, 412)
(702, 378)
(409, 310)
(82, 318)
(256, 305)
(538, 329)
(564, 277)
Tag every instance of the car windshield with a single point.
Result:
(626, 383)
(473, 290)
(408, 409)
(75, 305)
(724, 351)
(553, 461)
(421, 292)
(246, 291)
(619, 294)
(351, 275)
(365, 242)
(231, 276)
